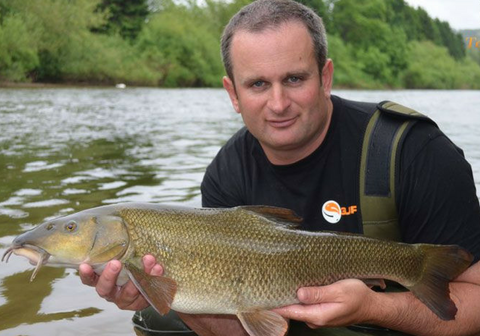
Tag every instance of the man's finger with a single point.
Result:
(129, 292)
(138, 304)
(148, 263)
(335, 292)
(157, 270)
(87, 275)
(295, 312)
(106, 285)
(127, 296)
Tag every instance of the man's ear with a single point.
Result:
(230, 87)
(327, 78)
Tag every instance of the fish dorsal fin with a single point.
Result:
(281, 216)
(263, 323)
(159, 291)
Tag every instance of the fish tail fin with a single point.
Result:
(441, 265)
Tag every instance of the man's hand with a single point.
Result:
(342, 303)
(126, 297)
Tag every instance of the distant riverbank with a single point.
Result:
(78, 43)
(35, 85)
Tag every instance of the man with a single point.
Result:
(300, 149)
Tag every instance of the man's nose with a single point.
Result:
(278, 100)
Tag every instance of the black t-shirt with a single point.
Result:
(435, 193)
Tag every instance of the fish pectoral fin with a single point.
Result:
(263, 323)
(159, 291)
(375, 282)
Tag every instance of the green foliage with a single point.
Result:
(47, 22)
(474, 55)
(181, 50)
(217, 13)
(379, 50)
(123, 17)
(348, 71)
(319, 6)
(384, 35)
(430, 67)
(17, 56)
(104, 59)
(374, 43)
(418, 26)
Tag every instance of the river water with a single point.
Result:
(65, 150)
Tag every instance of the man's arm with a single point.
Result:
(351, 301)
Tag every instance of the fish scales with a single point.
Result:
(218, 262)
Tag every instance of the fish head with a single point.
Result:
(69, 241)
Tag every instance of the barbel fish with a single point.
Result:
(243, 260)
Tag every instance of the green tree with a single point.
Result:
(53, 26)
(181, 49)
(452, 41)
(432, 67)
(348, 70)
(18, 55)
(124, 17)
(379, 49)
(319, 6)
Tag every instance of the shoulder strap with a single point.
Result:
(381, 142)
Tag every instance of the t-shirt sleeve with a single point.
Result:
(437, 200)
(215, 189)
(223, 184)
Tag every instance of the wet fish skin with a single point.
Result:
(242, 260)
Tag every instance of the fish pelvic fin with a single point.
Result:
(442, 264)
(263, 323)
(159, 291)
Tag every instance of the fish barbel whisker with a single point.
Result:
(7, 254)
(41, 261)
(35, 255)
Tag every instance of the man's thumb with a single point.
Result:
(310, 295)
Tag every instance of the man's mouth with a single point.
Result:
(282, 123)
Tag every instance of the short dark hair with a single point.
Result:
(263, 14)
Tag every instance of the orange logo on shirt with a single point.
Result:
(332, 206)
(332, 212)
(349, 210)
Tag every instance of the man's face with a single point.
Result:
(278, 90)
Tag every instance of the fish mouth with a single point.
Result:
(35, 255)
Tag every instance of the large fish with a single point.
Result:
(243, 260)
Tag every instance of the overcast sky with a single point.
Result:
(461, 14)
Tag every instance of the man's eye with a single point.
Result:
(294, 79)
(258, 84)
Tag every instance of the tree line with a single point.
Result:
(168, 43)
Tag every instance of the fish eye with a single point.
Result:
(71, 226)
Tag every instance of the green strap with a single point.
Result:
(378, 169)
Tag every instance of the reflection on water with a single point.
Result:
(15, 312)
(65, 150)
